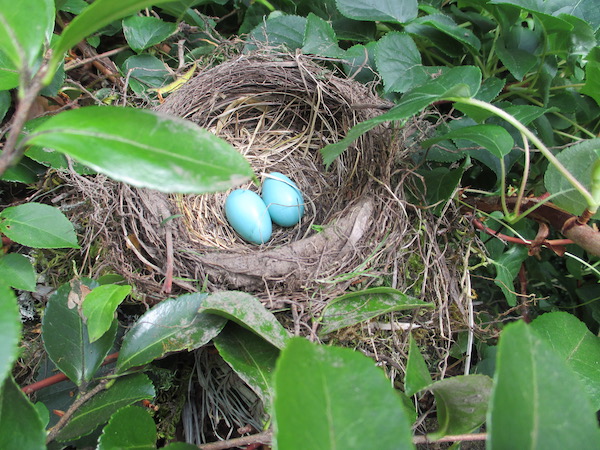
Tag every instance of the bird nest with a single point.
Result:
(279, 111)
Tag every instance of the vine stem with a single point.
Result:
(533, 139)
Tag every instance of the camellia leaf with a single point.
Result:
(66, 336)
(320, 39)
(574, 343)
(16, 271)
(507, 268)
(99, 308)
(172, 325)
(101, 407)
(359, 306)
(467, 79)
(37, 225)
(493, 138)
(9, 74)
(417, 374)
(251, 357)
(142, 32)
(462, 403)
(399, 63)
(351, 403)
(99, 14)
(10, 331)
(579, 159)
(20, 424)
(378, 10)
(248, 312)
(145, 149)
(24, 28)
(130, 427)
(537, 401)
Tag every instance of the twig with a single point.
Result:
(455, 438)
(74, 64)
(74, 407)
(261, 438)
(168, 284)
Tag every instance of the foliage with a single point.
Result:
(507, 75)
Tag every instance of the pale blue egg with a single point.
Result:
(283, 199)
(247, 214)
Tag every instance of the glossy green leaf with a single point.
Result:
(24, 28)
(518, 61)
(465, 78)
(537, 401)
(9, 74)
(142, 32)
(449, 28)
(574, 343)
(320, 38)
(493, 138)
(98, 410)
(16, 271)
(399, 63)
(279, 31)
(251, 357)
(417, 375)
(65, 334)
(247, 311)
(20, 424)
(592, 75)
(145, 149)
(378, 10)
(131, 427)
(10, 330)
(145, 72)
(329, 397)
(462, 403)
(99, 308)
(5, 102)
(99, 14)
(26, 171)
(37, 225)
(360, 306)
(359, 62)
(507, 268)
(441, 183)
(171, 326)
(579, 160)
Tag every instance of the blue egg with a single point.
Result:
(283, 199)
(248, 216)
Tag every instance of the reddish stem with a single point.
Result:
(516, 240)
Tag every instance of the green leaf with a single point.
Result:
(576, 345)
(417, 374)
(26, 171)
(537, 402)
(399, 63)
(248, 312)
(180, 446)
(378, 10)
(578, 159)
(9, 74)
(279, 31)
(320, 39)
(99, 308)
(5, 102)
(441, 184)
(468, 77)
(130, 427)
(99, 14)
(592, 75)
(360, 306)
(37, 225)
(507, 268)
(145, 72)
(493, 138)
(328, 397)
(462, 403)
(24, 28)
(516, 49)
(20, 424)
(359, 62)
(145, 149)
(448, 27)
(251, 357)
(10, 331)
(16, 271)
(101, 407)
(142, 32)
(171, 326)
(65, 334)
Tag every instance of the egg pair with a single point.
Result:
(251, 216)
